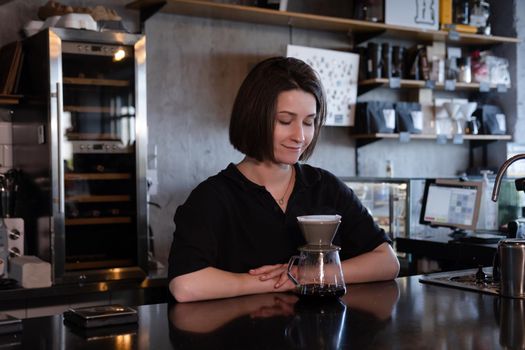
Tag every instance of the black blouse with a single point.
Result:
(233, 224)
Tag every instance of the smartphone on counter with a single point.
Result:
(100, 316)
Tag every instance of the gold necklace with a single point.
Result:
(281, 200)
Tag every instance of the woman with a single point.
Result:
(237, 229)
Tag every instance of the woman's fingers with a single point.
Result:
(283, 278)
(268, 271)
(278, 272)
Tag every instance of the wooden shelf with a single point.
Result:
(407, 83)
(98, 199)
(86, 265)
(9, 99)
(95, 82)
(75, 136)
(433, 137)
(98, 221)
(87, 109)
(252, 14)
(97, 176)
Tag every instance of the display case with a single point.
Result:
(79, 139)
(394, 203)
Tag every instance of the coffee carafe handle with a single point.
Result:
(289, 271)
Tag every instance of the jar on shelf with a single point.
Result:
(461, 11)
(465, 72)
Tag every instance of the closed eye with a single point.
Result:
(309, 121)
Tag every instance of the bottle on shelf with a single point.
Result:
(374, 60)
(386, 60)
(464, 70)
(461, 11)
(398, 58)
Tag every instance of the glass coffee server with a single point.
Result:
(80, 138)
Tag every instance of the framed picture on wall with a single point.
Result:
(338, 71)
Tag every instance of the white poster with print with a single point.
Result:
(338, 71)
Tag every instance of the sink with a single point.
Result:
(464, 279)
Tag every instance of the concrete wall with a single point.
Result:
(195, 66)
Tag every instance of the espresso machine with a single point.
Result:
(318, 272)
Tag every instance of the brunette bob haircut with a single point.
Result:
(253, 114)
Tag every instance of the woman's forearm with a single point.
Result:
(379, 264)
(212, 283)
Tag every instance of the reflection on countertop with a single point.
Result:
(401, 314)
(36, 302)
(286, 320)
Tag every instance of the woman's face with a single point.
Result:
(294, 125)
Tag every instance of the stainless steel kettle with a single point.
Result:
(509, 261)
(509, 267)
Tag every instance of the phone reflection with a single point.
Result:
(281, 320)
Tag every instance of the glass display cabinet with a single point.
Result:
(394, 203)
(80, 140)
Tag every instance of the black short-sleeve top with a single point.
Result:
(233, 224)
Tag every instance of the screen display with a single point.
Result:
(451, 203)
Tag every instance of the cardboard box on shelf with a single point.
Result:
(423, 14)
(445, 13)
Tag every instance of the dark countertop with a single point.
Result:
(57, 294)
(400, 314)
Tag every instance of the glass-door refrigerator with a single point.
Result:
(80, 143)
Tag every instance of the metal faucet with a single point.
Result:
(501, 171)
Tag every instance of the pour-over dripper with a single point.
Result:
(452, 109)
(319, 229)
(467, 109)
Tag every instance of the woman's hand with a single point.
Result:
(278, 272)
(282, 305)
(208, 316)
